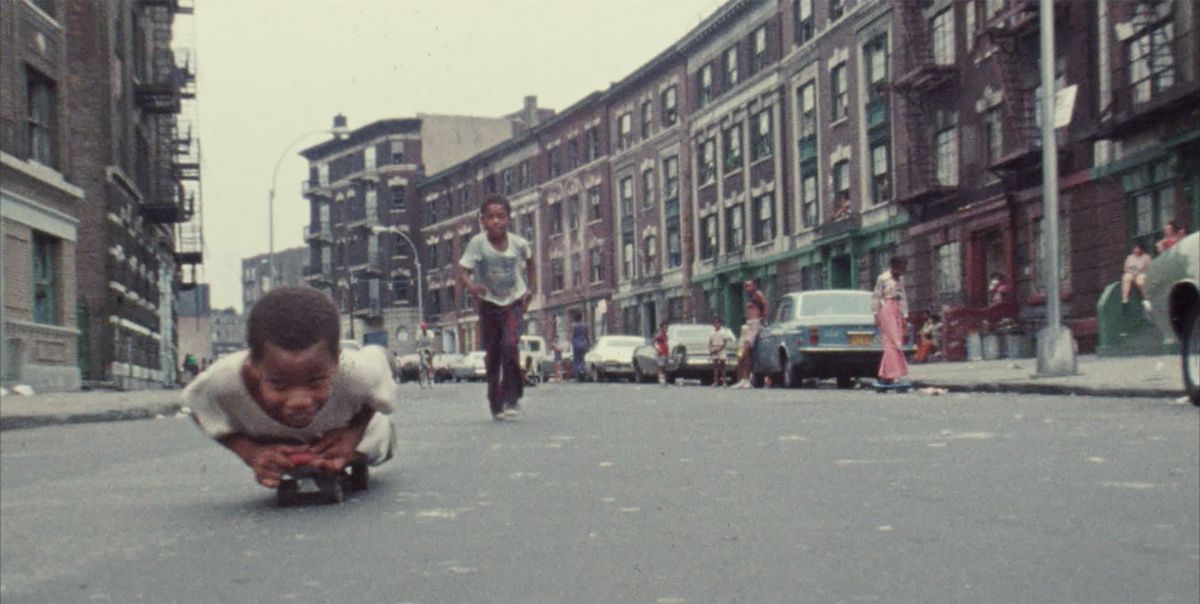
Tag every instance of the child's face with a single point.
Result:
(292, 386)
(494, 219)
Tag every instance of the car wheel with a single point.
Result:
(845, 382)
(1189, 352)
(791, 376)
(593, 374)
(758, 380)
(638, 377)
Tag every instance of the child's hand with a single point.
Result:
(335, 449)
(269, 462)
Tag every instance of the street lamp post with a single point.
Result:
(416, 260)
(339, 130)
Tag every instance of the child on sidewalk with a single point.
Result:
(716, 350)
(490, 270)
(661, 350)
(292, 393)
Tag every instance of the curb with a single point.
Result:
(21, 422)
(1053, 389)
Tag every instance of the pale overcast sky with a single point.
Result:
(271, 70)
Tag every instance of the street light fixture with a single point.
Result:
(416, 260)
(338, 131)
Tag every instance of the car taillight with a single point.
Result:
(814, 336)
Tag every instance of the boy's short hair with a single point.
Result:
(495, 198)
(292, 318)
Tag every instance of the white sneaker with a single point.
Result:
(1146, 305)
(742, 385)
(513, 411)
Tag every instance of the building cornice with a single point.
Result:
(43, 174)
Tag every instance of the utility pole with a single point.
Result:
(1055, 345)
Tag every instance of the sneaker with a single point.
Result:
(512, 411)
(1146, 305)
(498, 415)
(742, 385)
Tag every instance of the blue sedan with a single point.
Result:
(816, 335)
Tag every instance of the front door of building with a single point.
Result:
(839, 272)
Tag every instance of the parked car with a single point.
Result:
(349, 345)
(444, 366)
(535, 354)
(819, 334)
(1174, 293)
(546, 369)
(472, 368)
(407, 367)
(611, 357)
(688, 357)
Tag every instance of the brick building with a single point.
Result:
(290, 267)
(39, 200)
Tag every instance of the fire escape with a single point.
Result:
(167, 92)
(918, 88)
(1157, 75)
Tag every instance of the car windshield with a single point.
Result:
(692, 332)
(841, 303)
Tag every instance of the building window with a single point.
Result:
(735, 228)
(433, 255)
(812, 277)
(632, 319)
(841, 179)
(398, 202)
(674, 245)
(731, 67)
(1151, 62)
(627, 256)
(877, 66)
(464, 200)
(670, 107)
(942, 27)
(949, 269)
(993, 133)
(626, 197)
(625, 130)
(572, 154)
(708, 236)
(596, 264)
(837, 8)
(594, 207)
(593, 143)
(648, 188)
(45, 282)
(40, 117)
(881, 181)
(708, 161)
(1151, 210)
(552, 160)
(805, 25)
(556, 218)
(946, 142)
(806, 96)
(761, 141)
(649, 255)
(576, 270)
(732, 155)
(705, 83)
(526, 226)
(647, 118)
(764, 218)
(675, 309)
(671, 177)
(556, 275)
(838, 91)
(809, 201)
(524, 176)
(758, 52)
(573, 213)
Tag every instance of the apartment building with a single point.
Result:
(290, 266)
(39, 201)
(364, 218)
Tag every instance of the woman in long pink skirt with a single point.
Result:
(891, 309)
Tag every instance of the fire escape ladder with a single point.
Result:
(1020, 133)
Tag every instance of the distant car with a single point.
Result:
(444, 366)
(611, 357)
(819, 334)
(534, 354)
(472, 367)
(1173, 288)
(407, 367)
(349, 345)
(688, 356)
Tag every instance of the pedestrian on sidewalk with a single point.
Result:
(717, 343)
(580, 343)
(1136, 264)
(746, 341)
(491, 270)
(295, 393)
(890, 306)
(661, 350)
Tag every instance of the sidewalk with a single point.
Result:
(1152, 376)
(1146, 376)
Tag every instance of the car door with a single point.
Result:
(765, 359)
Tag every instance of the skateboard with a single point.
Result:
(881, 387)
(306, 484)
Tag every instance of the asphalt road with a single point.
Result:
(634, 493)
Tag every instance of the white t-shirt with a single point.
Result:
(501, 273)
(222, 405)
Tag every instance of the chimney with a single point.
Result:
(530, 111)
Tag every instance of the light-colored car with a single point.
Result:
(611, 357)
(819, 334)
(473, 367)
(688, 356)
(407, 367)
(1173, 287)
(444, 366)
(349, 345)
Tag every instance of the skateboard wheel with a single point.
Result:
(359, 475)
(287, 493)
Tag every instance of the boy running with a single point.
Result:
(293, 393)
(490, 270)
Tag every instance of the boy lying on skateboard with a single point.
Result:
(293, 403)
